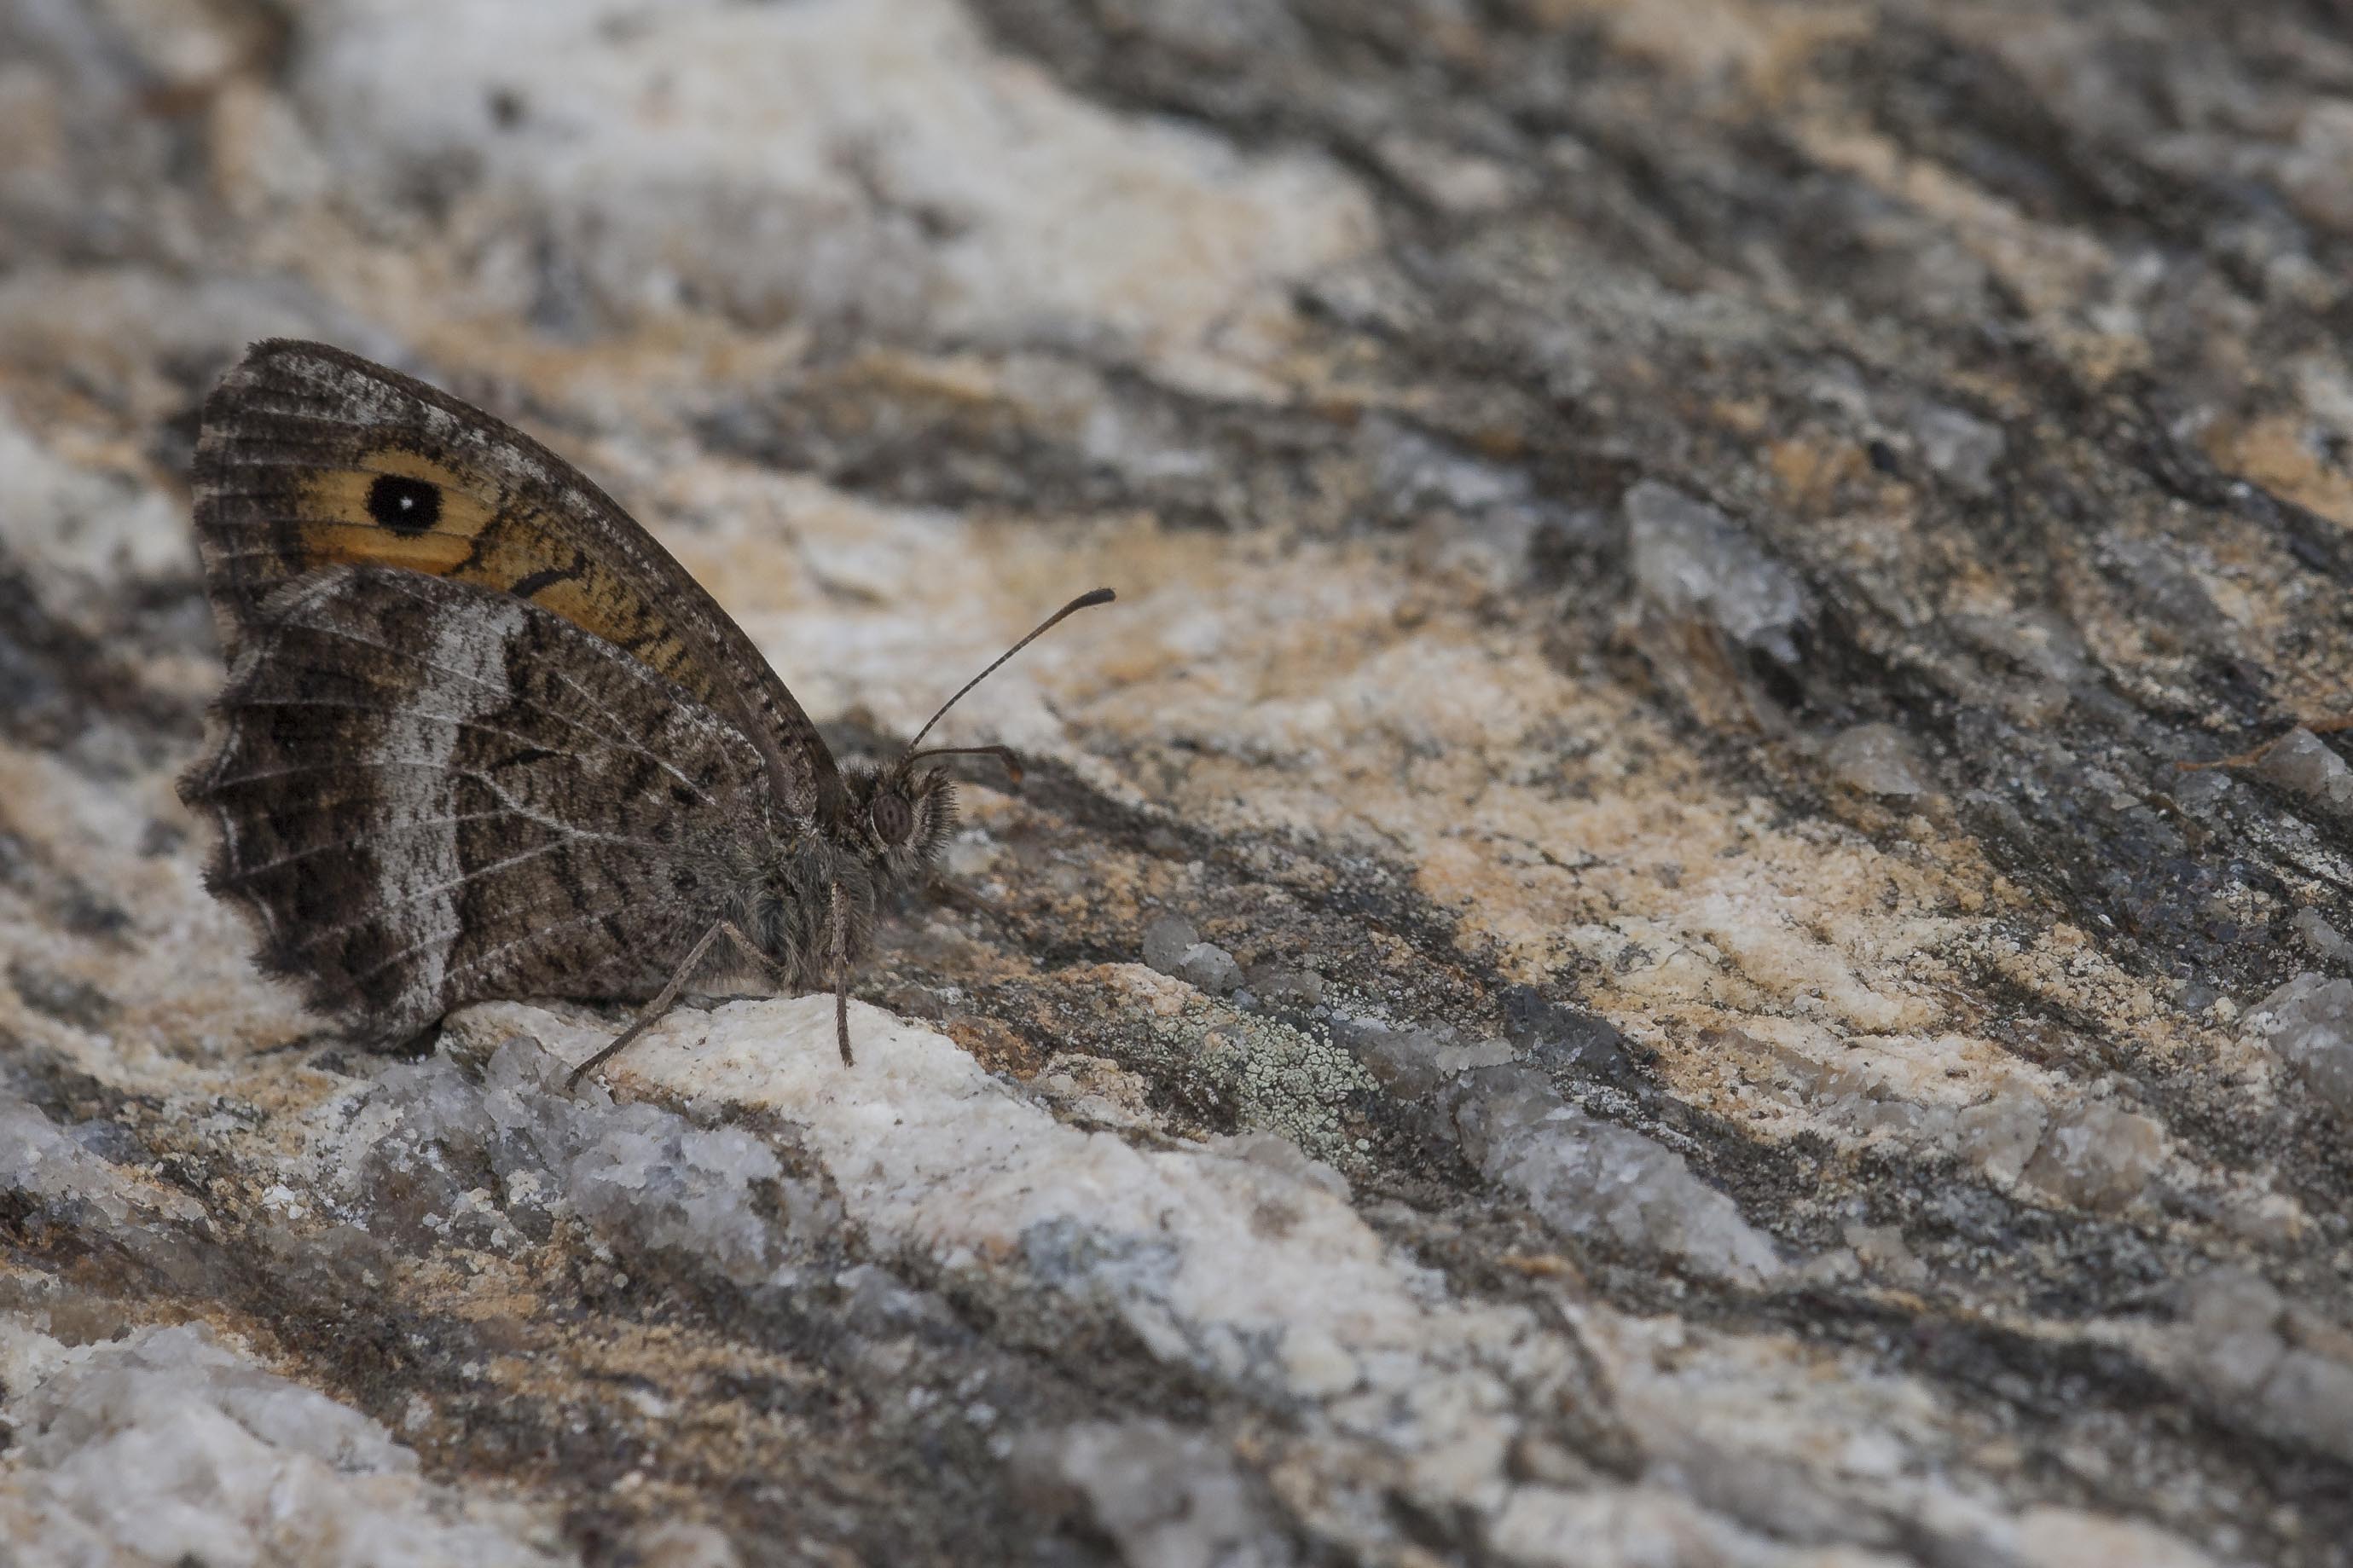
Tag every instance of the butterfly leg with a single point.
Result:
(653, 1009)
(841, 975)
(760, 961)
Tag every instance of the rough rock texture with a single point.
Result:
(1692, 912)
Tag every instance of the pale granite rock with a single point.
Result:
(168, 1447)
(1167, 1497)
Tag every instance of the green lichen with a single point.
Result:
(1268, 1076)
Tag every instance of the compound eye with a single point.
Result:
(892, 819)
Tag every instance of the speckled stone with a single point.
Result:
(1689, 913)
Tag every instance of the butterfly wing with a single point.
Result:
(430, 793)
(310, 456)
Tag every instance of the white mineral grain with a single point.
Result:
(1877, 759)
(683, 1544)
(2302, 764)
(1692, 561)
(1452, 1060)
(1276, 983)
(1584, 1176)
(169, 1447)
(1170, 1498)
(1959, 446)
(2097, 1156)
(1998, 1135)
(410, 1147)
(1166, 940)
(2052, 1537)
(46, 1163)
(2234, 1341)
(1209, 967)
(1096, 1090)
(2310, 1023)
(1644, 1527)
(1403, 1061)
(1883, 1249)
(2324, 941)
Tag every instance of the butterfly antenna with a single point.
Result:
(1084, 601)
(1002, 753)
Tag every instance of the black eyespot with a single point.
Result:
(892, 820)
(403, 505)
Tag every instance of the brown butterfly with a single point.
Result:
(482, 737)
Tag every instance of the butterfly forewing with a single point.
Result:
(310, 456)
(430, 793)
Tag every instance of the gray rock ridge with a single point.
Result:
(1609, 958)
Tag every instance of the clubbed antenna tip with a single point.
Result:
(1083, 602)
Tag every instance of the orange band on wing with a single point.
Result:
(367, 544)
(465, 529)
(344, 514)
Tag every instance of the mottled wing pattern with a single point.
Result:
(309, 457)
(430, 793)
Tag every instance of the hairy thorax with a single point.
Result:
(782, 881)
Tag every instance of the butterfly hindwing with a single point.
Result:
(429, 792)
(310, 456)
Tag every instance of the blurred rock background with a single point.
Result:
(1610, 958)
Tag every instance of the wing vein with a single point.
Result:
(413, 949)
(376, 832)
(384, 906)
(624, 748)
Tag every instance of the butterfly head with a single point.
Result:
(900, 815)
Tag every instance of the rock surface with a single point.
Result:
(1615, 955)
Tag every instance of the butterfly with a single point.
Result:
(481, 737)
